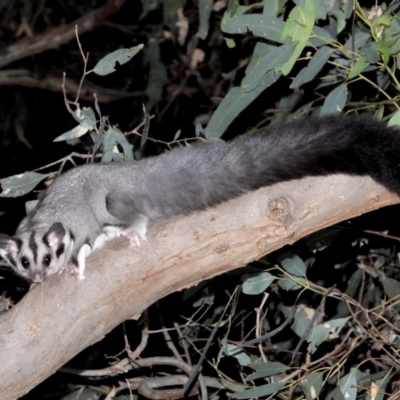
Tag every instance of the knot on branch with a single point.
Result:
(280, 208)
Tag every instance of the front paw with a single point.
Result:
(134, 238)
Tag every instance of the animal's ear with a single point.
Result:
(55, 235)
(8, 244)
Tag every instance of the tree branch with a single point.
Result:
(53, 38)
(61, 317)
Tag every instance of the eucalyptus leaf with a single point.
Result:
(233, 103)
(86, 117)
(335, 101)
(354, 282)
(299, 27)
(274, 58)
(74, 133)
(302, 319)
(380, 387)
(256, 283)
(19, 185)
(260, 391)
(112, 137)
(236, 352)
(315, 65)
(359, 39)
(348, 385)
(321, 332)
(340, 20)
(322, 33)
(265, 26)
(293, 264)
(394, 119)
(266, 369)
(121, 56)
(288, 284)
(300, 22)
(360, 65)
(391, 286)
(312, 384)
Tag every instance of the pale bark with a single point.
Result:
(58, 319)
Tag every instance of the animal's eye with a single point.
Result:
(25, 262)
(47, 260)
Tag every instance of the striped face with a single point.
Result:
(38, 253)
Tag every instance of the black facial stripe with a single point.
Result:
(121, 225)
(33, 246)
(60, 250)
(71, 235)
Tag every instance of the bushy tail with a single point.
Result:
(195, 177)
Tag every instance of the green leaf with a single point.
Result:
(335, 101)
(384, 19)
(348, 385)
(74, 133)
(384, 52)
(233, 103)
(18, 185)
(111, 137)
(354, 282)
(391, 287)
(321, 332)
(236, 352)
(381, 383)
(260, 391)
(107, 64)
(312, 384)
(86, 117)
(293, 264)
(265, 26)
(123, 142)
(359, 39)
(294, 27)
(358, 67)
(322, 33)
(340, 19)
(371, 53)
(272, 7)
(289, 284)
(302, 319)
(321, 10)
(394, 119)
(347, 7)
(266, 369)
(300, 23)
(314, 66)
(299, 47)
(256, 283)
(274, 58)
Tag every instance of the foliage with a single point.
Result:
(320, 321)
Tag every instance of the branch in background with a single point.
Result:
(26, 78)
(53, 38)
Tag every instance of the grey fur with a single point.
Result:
(96, 202)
